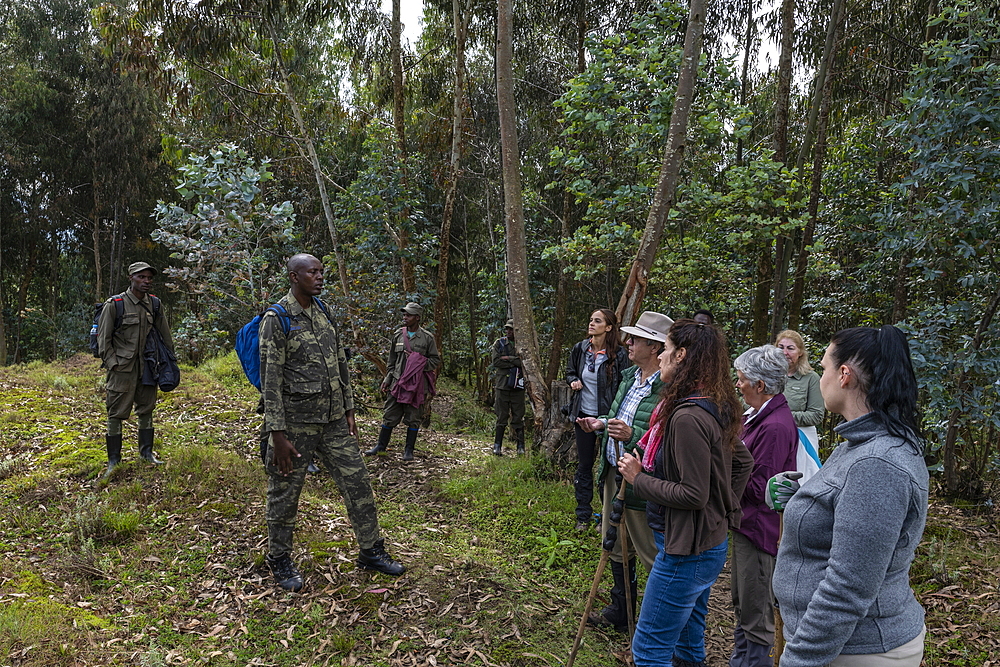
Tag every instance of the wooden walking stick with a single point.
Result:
(609, 543)
(629, 608)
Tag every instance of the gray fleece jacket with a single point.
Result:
(842, 573)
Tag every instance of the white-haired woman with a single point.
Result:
(769, 432)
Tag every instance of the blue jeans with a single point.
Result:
(674, 607)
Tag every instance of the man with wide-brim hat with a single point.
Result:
(125, 321)
(408, 384)
(626, 422)
(508, 401)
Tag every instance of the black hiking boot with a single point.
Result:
(411, 442)
(114, 446)
(285, 573)
(377, 558)
(146, 446)
(383, 442)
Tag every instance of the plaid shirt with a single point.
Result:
(629, 404)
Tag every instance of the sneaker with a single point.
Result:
(377, 558)
(285, 573)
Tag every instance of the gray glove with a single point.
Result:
(780, 488)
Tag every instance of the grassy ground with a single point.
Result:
(164, 566)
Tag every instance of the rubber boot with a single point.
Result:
(758, 655)
(615, 614)
(146, 446)
(739, 656)
(411, 441)
(114, 447)
(383, 442)
(519, 438)
(498, 440)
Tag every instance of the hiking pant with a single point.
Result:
(132, 391)
(509, 402)
(395, 411)
(338, 450)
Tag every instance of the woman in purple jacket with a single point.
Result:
(769, 432)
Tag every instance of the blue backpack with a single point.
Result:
(248, 340)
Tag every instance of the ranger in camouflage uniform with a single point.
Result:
(309, 412)
(121, 351)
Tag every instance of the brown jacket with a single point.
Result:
(702, 482)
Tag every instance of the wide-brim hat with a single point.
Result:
(653, 326)
(509, 325)
(412, 308)
(136, 267)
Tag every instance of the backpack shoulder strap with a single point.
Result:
(282, 315)
(326, 312)
(156, 305)
(119, 302)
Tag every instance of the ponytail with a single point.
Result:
(881, 358)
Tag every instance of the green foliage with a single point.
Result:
(946, 217)
(551, 545)
(615, 119)
(230, 244)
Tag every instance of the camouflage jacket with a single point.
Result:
(422, 342)
(304, 374)
(119, 348)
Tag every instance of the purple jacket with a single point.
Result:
(410, 388)
(773, 439)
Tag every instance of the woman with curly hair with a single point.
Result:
(692, 474)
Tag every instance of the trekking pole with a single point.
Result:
(629, 602)
(609, 543)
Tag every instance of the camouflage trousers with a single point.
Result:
(334, 446)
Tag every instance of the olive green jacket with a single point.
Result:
(120, 348)
(804, 399)
(304, 374)
(422, 342)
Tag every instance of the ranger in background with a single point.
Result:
(121, 347)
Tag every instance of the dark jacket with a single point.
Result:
(505, 368)
(120, 348)
(607, 380)
(640, 424)
(773, 439)
(693, 495)
(422, 342)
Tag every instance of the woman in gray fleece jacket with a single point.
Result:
(842, 572)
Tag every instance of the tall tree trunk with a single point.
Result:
(517, 264)
(454, 168)
(562, 282)
(824, 93)
(309, 153)
(399, 123)
(562, 287)
(761, 295)
(779, 141)
(784, 258)
(54, 294)
(99, 294)
(951, 434)
(744, 74)
(666, 189)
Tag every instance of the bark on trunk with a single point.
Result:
(454, 169)
(517, 265)
(398, 122)
(761, 295)
(635, 287)
(824, 89)
(309, 153)
(562, 288)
